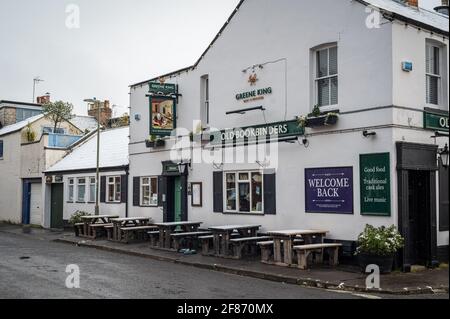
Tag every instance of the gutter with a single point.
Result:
(389, 15)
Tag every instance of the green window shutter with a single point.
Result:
(103, 189)
(218, 192)
(136, 191)
(270, 195)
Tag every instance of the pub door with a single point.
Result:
(419, 217)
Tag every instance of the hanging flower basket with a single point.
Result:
(156, 143)
(322, 120)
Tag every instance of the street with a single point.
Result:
(32, 267)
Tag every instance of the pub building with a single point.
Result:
(353, 115)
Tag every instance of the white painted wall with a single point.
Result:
(10, 183)
(410, 87)
(370, 76)
(24, 160)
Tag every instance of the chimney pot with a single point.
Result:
(413, 3)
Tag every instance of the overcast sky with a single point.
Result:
(118, 42)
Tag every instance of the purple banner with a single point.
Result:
(329, 190)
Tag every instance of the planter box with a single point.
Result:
(384, 262)
(157, 143)
(322, 120)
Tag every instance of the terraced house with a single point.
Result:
(352, 96)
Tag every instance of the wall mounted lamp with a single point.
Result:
(443, 156)
(369, 134)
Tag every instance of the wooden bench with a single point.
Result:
(304, 251)
(154, 237)
(267, 248)
(135, 231)
(178, 237)
(109, 231)
(97, 230)
(79, 229)
(207, 240)
(239, 244)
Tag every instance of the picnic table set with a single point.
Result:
(289, 248)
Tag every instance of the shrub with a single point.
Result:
(380, 241)
(76, 217)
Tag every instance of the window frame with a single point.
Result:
(114, 184)
(79, 200)
(205, 101)
(94, 186)
(237, 182)
(437, 76)
(329, 77)
(70, 190)
(149, 185)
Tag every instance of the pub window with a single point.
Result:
(81, 189)
(114, 189)
(326, 76)
(434, 87)
(244, 192)
(92, 189)
(70, 190)
(1, 149)
(204, 113)
(149, 191)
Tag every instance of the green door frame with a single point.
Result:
(57, 206)
(169, 178)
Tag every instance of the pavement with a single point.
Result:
(146, 264)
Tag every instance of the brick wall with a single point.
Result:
(7, 116)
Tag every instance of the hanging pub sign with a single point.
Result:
(329, 190)
(162, 115)
(434, 121)
(163, 111)
(272, 131)
(375, 184)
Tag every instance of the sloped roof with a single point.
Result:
(113, 152)
(19, 125)
(419, 16)
(84, 122)
(423, 18)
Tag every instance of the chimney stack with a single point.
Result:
(43, 99)
(442, 9)
(413, 3)
(105, 112)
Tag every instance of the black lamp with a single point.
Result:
(443, 156)
(182, 167)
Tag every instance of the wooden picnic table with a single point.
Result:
(222, 236)
(96, 219)
(287, 237)
(119, 223)
(166, 230)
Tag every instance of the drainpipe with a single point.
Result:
(127, 173)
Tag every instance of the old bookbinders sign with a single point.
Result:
(329, 190)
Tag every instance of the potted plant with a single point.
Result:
(378, 246)
(316, 118)
(302, 121)
(30, 134)
(76, 219)
(155, 141)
